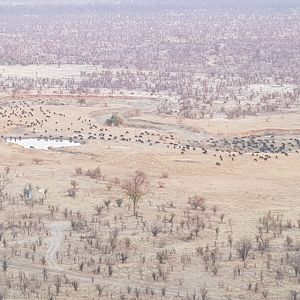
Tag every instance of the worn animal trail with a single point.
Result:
(57, 232)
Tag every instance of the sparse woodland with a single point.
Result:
(131, 246)
(209, 64)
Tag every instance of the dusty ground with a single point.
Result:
(244, 188)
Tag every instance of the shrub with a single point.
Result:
(114, 120)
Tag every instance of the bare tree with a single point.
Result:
(98, 209)
(4, 264)
(197, 202)
(75, 285)
(294, 262)
(294, 294)
(113, 238)
(204, 292)
(4, 180)
(136, 187)
(155, 229)
(99, 289)
(57, 283)
(243, 248)
(119, 202)
(123, 256)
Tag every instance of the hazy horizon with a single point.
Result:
(150, 4)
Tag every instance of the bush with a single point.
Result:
(243, 248)
(197, 202)
(114, 120)
(94, 173)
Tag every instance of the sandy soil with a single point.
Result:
(243, 188)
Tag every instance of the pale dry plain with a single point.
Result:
(76, 244)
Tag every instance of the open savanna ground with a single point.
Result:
(157, 207)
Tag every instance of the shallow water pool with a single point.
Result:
(43, 144)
